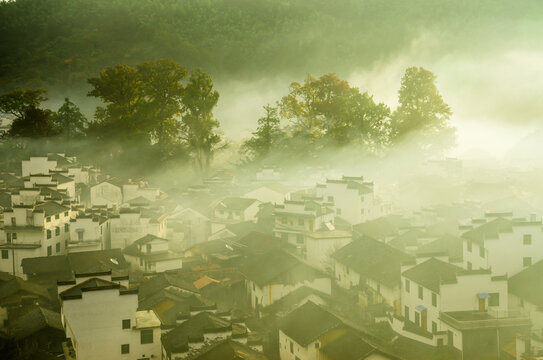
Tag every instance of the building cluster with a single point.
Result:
(98, 267)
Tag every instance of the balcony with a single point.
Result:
(470, 320)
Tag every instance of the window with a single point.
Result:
(66, 227)
(49, 250)
(481, 251)
(57, 247)
(14, 236)
(80, 236)
(126, 324)
(57, 216)
(284, 236)
(330, 198)
(13, 221)
(48, 219)
(406, 313)
(469, 266)
(407, 285)
(527, 239)
(5, 254)
(299, 239)
(65, 213)
(57, 231)
(338, 211)
(434, 327)
(434, 299)
(362, 212)
(527, 261)
(317, 345)
(494, 299)
(8, 238)
(417, 318)
(469, 246)
(146, 336)
(301, 222)
(66, 244)
(125, 349)
(420, 292)
(291, 348)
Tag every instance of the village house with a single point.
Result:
(526, 294)
(294, 220)
(276, 273)
(90, 230)
(32, 231)
(466, 310)
(228, 349)
(274, 193)
(506, 246)
(43, 164)
(56, 182)
(115, 192)
(233, 210)
(133, 223)
(352, 197)
(101, 320)
(151, 253)
(188, 227)
(372, 267)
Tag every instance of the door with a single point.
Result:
(482, 304)
(424, 319)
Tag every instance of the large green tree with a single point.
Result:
(35, 123)
(17, 102)
(69, 121)
(422, 114)
(199, 129)
(267, 137)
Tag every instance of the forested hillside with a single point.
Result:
(61, 43)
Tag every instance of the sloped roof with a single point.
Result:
(528, 284)
(294, 298)
(89, 284)
(347, 346)
(408, 238)
(307, 323)
(194, 328)
(446, 244)
(489, 230)
(116, 182)
(278, 266)
(373, 259)
(228, 350)
(134, 248)
(382, 227)
(61, 179)
(140, 200)
(50, 208)
(162, 281)
(237, 203)
(17, 285)
(432, 273)
(33, 321)
(242, 228)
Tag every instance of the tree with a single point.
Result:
(16, 102)
(198, 127)
(69, 121)
(35, 123)
(422, 112)
(267, 135)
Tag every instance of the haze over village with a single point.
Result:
(271, 180)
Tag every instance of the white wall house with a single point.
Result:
(442, 304)
(188, 227)
(101, 320)
(88, 232)
(108, 192)
(32, 231)
(271, 193)
(132, 224)
(504, 246)
(320, 245)
(152, 254)
(353, 198)
(276, 273)
(233, 210)
(42, 164)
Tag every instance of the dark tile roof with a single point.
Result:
(22, 287)
(5, 200)
(287, 302)
(228, 350)
(134, 248)
(432, 273)
(242, 228)
(347, 346)
(140, 200)
(307, 323)
(256, 243)
(193, 329)
(76, 263)
(76, 291)
(406, 239)
(489, 230)
(116, 182)
(382, 227)
(236, 203)
(51, 208)
(33, 321)
(61, 179)
(373, 259)
(162, 281)
(528, 284)
(447, 244)
(279, 266)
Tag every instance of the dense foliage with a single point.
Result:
(61, 43)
